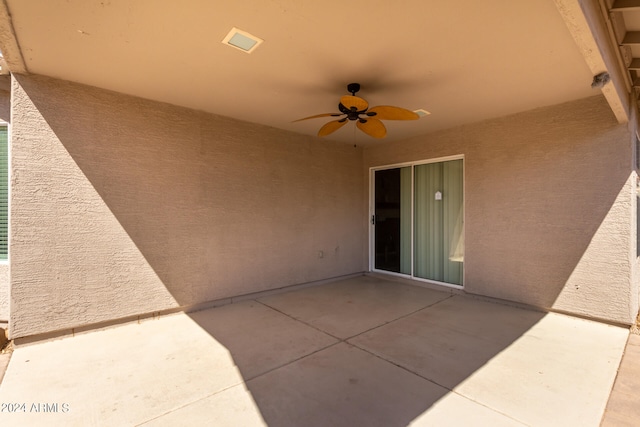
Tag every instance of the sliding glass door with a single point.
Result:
(418, 221)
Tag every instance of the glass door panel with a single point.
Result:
(438, 237)
(428, 240)
(393, 220)
(452, 225)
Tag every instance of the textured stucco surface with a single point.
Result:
(4, 291)
(549, 206)
(123, 206)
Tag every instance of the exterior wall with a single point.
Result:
(549, 206)
(122, 206)
(635, 252)
(5, 107)
(4, 291)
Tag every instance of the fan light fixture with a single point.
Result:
(368, 120)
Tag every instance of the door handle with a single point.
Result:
(373, 220)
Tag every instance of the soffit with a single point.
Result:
(624, 19)
(464, 61)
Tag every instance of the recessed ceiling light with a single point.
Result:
(421, 112)
(242, 40)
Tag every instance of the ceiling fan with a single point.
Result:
(368, 120)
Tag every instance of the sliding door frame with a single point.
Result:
(372, 196)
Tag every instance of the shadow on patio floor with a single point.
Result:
(374, 352)
(363, 351)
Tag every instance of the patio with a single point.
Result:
(364, 351)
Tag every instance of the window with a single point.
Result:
(4, 192)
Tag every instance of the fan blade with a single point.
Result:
(319, 115)
(387, 112)
(354, 101)
(331, 127)
(372, 127)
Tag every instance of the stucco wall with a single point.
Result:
(123, 206)
(549, 206)
(4, 291)
(5, 108)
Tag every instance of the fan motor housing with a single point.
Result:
(353, 88)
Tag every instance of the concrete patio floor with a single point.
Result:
(359, 352)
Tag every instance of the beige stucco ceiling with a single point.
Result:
(464, 60)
